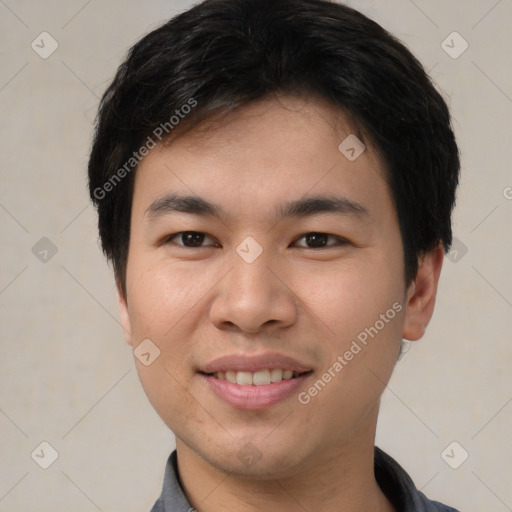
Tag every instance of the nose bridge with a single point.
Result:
(252, 295)
(251, 262)
(252, 278)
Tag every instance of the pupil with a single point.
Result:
(316, 239)
(191, 238)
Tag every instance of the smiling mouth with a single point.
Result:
(259, 378)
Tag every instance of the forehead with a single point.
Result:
(284, 148)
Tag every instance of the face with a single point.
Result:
(260, 252)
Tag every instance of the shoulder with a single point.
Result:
(399, 488)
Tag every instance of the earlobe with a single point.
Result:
(124, 316)
(421, 294)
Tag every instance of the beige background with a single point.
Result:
(67, 376)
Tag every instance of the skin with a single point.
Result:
(199, 303)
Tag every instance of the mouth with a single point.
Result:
(255, 381)
(262, 377)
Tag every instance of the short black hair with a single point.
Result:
(223, 54)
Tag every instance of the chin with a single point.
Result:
(255, 459)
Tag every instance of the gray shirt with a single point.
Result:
(392, 479)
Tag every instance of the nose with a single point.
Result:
(253, 298)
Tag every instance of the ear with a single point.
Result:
(123, 313)
(421, 294)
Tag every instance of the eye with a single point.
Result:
(190, 239)
(320, 240)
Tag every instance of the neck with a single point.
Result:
(341, 479)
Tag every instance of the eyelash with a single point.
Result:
(340, 241)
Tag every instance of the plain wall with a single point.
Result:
(68, 377)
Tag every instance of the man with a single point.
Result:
(274, 182)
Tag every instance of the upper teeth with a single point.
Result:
(259, 378)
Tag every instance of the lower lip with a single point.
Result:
(255, 397)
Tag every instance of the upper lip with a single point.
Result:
(254, 363)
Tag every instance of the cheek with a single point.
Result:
(162, 295)
(348, 297)
(161, 304)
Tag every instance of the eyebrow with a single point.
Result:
(303, 207)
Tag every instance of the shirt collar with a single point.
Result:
(395, 483)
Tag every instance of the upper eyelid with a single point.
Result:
(212, 238)
(338, 238)
(174, 235)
